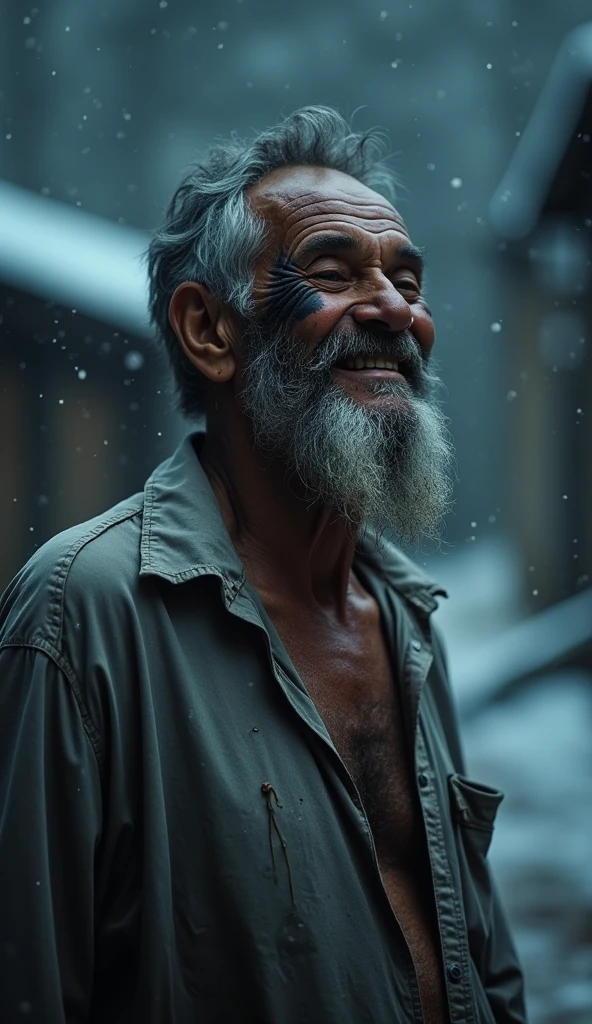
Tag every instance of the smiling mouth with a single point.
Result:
(371, 365)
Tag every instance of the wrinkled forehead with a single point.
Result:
(298, 201)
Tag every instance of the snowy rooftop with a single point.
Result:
(521, 196)
(64, 254)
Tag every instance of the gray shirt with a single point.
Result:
(180, 842)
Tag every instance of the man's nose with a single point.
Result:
(385, 307)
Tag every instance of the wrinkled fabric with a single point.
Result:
(180, 841)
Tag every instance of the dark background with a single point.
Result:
(103, 107)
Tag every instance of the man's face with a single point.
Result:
(337, 290)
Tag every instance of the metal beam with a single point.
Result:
(518, 201)
(545, 640)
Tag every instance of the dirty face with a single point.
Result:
(340, 262)
(333, 375)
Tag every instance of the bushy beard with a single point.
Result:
(384, 465)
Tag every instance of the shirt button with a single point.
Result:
(454, 972)
(416, 645)
(422, 779)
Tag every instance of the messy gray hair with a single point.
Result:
(210, 234)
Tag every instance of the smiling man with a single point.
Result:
(231, 782)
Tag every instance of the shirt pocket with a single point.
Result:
(474, 808)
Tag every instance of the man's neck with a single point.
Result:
(292, 551)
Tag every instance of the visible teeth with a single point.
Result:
(369, 363)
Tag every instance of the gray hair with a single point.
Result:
(210, 235)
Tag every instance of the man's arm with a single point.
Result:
(502, 974)
(50, 821)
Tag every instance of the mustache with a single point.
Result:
(401, 347)
(336, 346)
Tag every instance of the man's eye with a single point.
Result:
(407, 286)
(329, 275)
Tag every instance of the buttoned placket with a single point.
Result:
(416, 664)
(449, 909)
(246, 610)
(414, 996)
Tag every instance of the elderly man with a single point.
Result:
(231, 783)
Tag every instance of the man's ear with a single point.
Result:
(205, 330)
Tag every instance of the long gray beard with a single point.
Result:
(389, 468)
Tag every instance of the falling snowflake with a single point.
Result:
(133, 360)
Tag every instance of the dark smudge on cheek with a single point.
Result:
(290, 298)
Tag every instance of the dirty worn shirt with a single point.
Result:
(180, 841)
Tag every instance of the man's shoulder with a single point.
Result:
(76, 568)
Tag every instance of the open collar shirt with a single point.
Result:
(180, 841)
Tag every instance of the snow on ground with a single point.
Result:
(537, 748)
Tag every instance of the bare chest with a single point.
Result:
(356, 695)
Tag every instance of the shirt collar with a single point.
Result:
(183, 533)
(184, 536)
(384, 557)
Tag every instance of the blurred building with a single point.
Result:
(83, 411)
(543, 211)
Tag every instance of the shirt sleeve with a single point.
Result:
(504, 982)
(50, 822)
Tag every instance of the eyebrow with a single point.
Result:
(337, 240)
(327, 242)
(418, 253)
